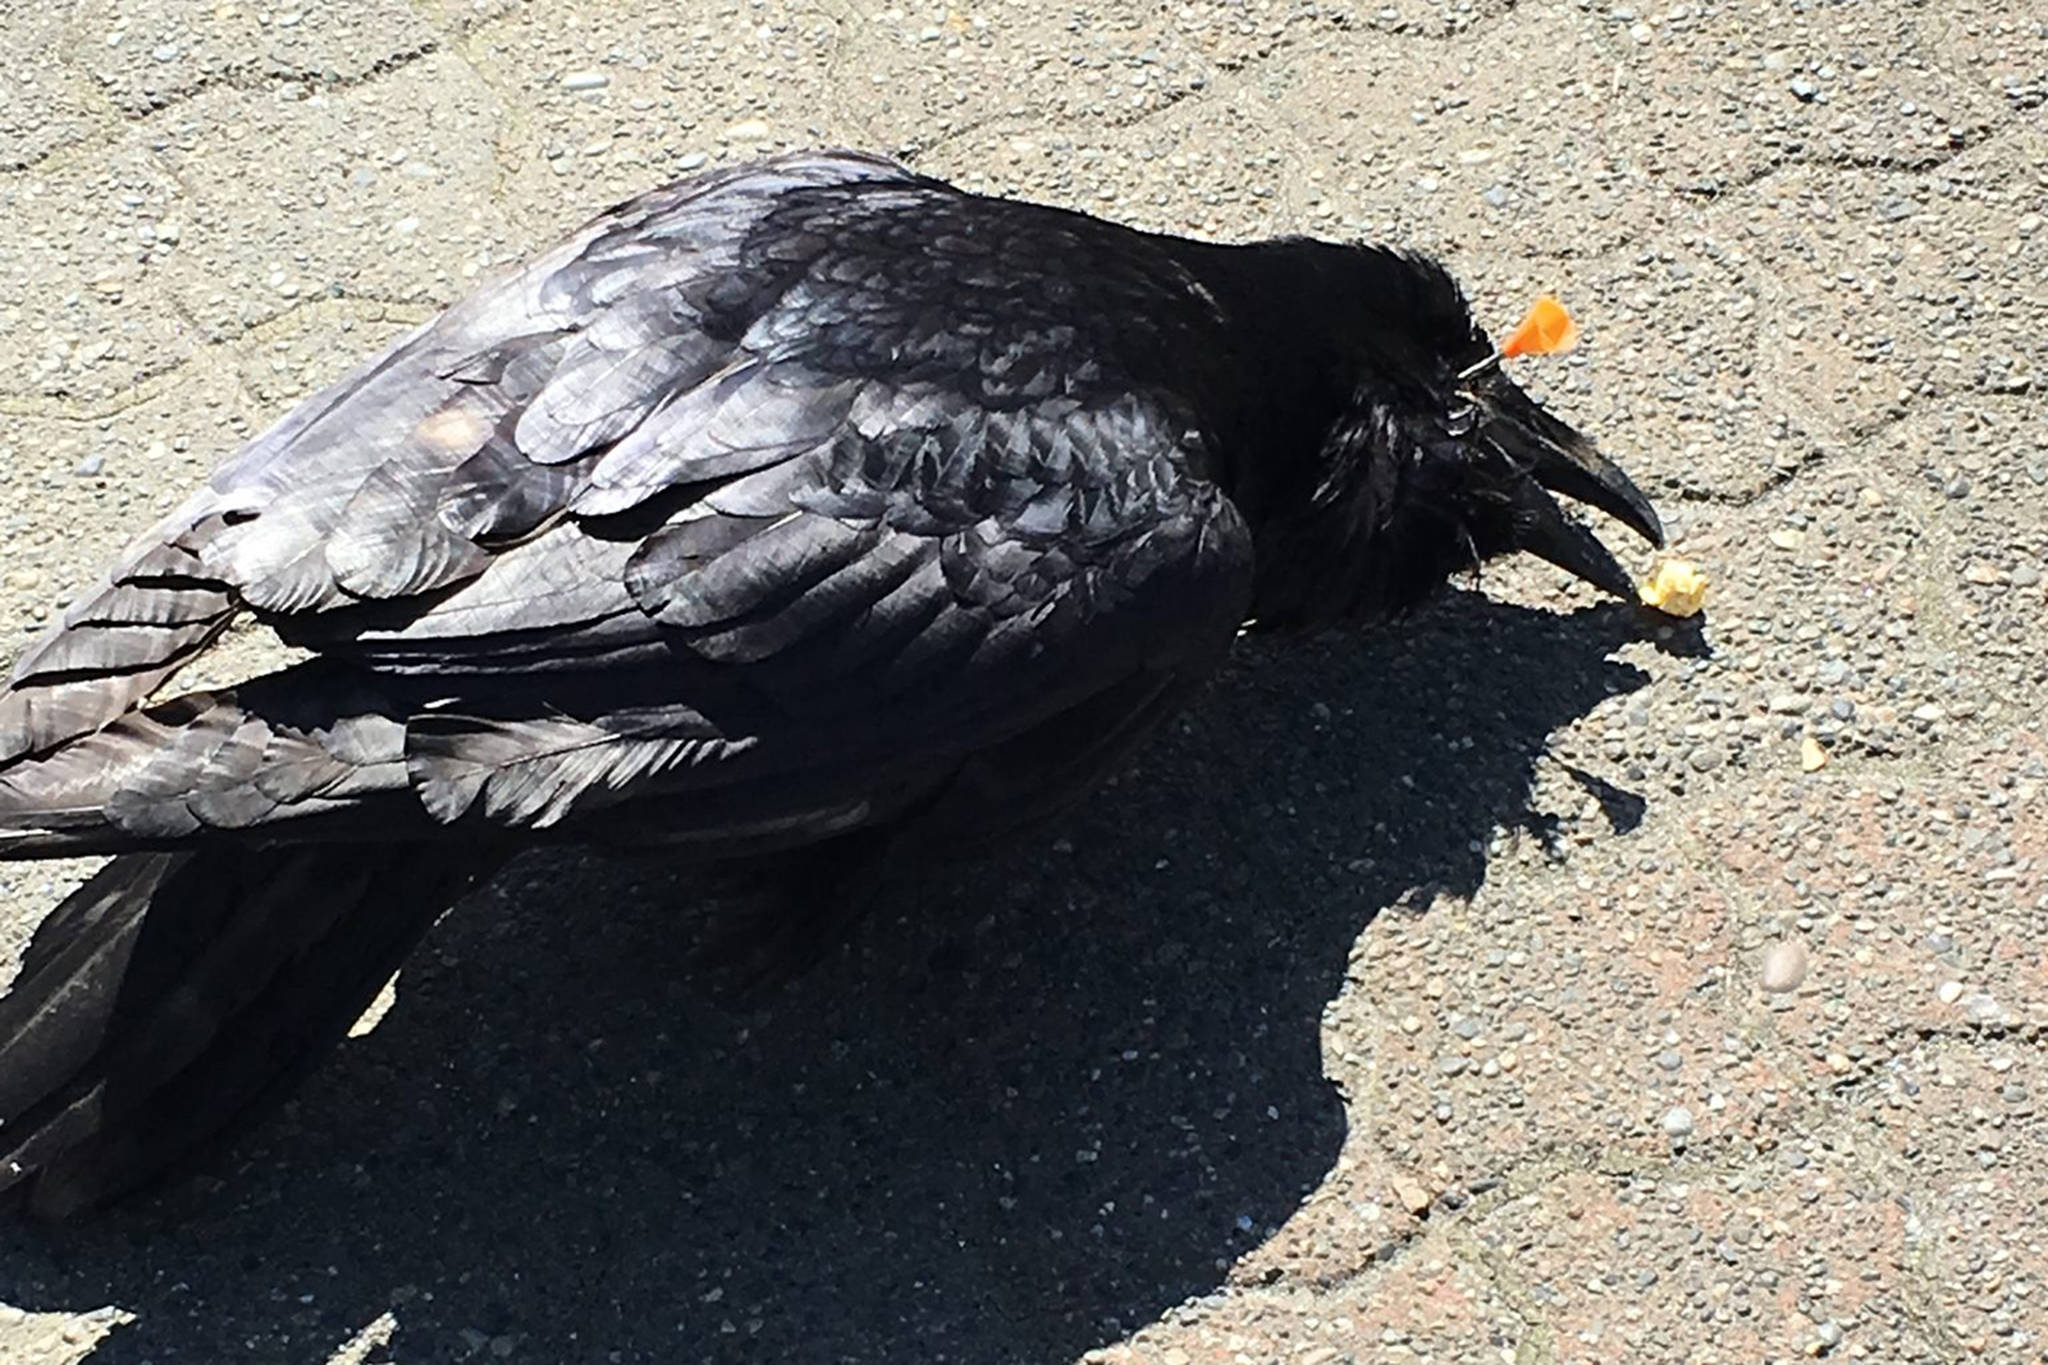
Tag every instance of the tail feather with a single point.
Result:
(70, 977)
(174, 999)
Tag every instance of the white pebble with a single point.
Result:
(1785, 965)
(1950, 992)
(1677, 1122)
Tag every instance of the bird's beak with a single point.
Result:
(1552, 456)
(1547, 531)
(1579, 471)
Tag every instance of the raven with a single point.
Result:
(808, 503)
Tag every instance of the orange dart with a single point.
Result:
(1546, 330)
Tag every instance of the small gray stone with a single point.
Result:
(1982, 1009)
(1677, 1122)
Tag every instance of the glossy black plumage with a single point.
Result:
(792, 501)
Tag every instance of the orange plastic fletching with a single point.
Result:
(1547, 329)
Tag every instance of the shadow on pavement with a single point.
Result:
(1043, 1098)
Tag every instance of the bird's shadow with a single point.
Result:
(1041, 1099)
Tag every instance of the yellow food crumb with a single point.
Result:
(1812, 758)
(1677, 589)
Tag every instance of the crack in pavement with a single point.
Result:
(1900, 1039)
(107, 119)
(374, 309)
(128, 122)
(1721, 1159)
(243, 77)
(1797, 159)
(246, 78)
(1780, 477)
(1717, 195)
(1453, 32)
(1463, 1202)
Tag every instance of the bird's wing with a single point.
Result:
(745, 487)
(407, 475)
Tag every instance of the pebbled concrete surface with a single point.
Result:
(1499, 988)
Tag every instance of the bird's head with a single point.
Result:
(1435, 462)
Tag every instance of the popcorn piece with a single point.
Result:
(1677, 589)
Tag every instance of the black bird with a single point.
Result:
(812, 503)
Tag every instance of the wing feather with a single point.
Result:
(536, 773)
(734, 492)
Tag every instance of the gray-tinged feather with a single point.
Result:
(293, 745)
(599, 394)
(388, 543)
(841, 595)
(536, 773)
(498, 495)
(35, 718)
(120, 648)
(559, 581)
(354, 756)
(742, 419)
(47, 1045)
(276, 559)
(156, 558)
(49, 703)
(662, 565)
(762, 572)
(375, 374)
(225, 793)
(519, 362)
(770, 492)
(151, 603)
(112, 648)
